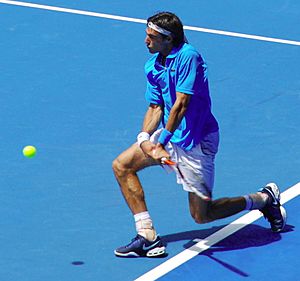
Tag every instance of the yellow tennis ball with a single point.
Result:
(29, 151)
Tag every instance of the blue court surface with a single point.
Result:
(72, 84)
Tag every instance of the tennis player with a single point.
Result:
(180, 126)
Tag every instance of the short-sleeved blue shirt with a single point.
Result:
(184, 72)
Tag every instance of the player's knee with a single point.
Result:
(118, 168)
(200, 218)
(199, 210)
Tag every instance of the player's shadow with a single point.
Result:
(249, 236)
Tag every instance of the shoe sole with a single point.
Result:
(129, 254)
(158, 251)
(284, 218)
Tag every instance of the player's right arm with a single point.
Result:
(151, 122)
(155, 110)
(152, 118)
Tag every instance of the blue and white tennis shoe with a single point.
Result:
(274, 212)
(141, 247)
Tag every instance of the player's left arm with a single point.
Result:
(151, 122)
(177, 111)
(176, 114)
(186, 85)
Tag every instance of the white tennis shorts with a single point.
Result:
(200, 158)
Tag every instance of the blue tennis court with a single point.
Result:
(73, 84)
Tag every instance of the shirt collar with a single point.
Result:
(175, 51)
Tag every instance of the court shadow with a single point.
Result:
(249, 236)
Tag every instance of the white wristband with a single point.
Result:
(141, 137)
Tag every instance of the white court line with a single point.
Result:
(71, 11)
(136, 20)
(216, 237)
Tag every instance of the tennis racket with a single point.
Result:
(187, 175)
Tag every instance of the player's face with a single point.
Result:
(155, 42)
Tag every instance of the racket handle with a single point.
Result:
(167, 161)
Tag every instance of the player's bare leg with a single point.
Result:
(267, 200)
(204, 212)
(125, 168)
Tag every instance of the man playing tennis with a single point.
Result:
(178, 96)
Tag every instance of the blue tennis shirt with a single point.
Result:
(184, 72)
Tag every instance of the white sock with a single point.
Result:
(141, 216)
(144, 226)
(256, 201)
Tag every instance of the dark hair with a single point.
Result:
(170, 22)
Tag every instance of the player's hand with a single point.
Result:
(159, 153)
(155, 151)
(148, 147)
